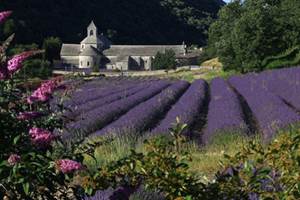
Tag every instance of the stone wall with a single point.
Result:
(70, 60)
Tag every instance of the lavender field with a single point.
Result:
(249, 104)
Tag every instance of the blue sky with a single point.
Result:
(227, 1)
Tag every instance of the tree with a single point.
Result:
(249, 31)
(165, 60)
(52, 46)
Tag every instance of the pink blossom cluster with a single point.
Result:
(4, 15)
(29, 115)
(68, 166)
(15, 63)
(40, 137)
(44, 92)
(14, 159)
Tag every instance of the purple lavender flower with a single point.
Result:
(268, 109)
(99, 117)
(120, 193)
(142, 116)
(224, 112)
(187, 108)
(90, 105)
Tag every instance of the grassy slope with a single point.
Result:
(207, 74)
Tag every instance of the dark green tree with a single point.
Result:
(165, 60)
(249, 31)
(52, 46)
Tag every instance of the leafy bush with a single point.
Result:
(164, 60)
(36, 68)
(266, 172)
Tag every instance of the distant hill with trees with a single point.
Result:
(125, 22)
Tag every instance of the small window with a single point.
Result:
(82, 46)
(81, 63)
(88, 63)
(91, 32)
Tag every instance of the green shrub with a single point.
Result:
(36, 68)
(164, 60)
(268, 172)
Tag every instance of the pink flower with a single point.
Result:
(15, 63)
(43, 93)
(40, 137)
(29, 115)
(14, 159)
(68, 166)
(4, 15)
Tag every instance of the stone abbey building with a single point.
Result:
(96, 51)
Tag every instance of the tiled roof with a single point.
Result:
(70, 50)
(141, 50)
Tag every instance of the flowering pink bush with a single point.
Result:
(15, 63)
(40, 137)
(14, 159)
(43, 93)
(4, 15)
(68, 166)
(25, 180)
(29, 115)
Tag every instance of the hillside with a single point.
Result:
(127, 22)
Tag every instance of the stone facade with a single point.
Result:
(96, 51)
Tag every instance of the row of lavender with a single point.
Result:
(270, 99)
(100, 116)
(278, 97)
(143, 116)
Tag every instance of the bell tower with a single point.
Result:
(92, 30)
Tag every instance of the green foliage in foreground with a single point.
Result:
(249, 31)
(257, 171)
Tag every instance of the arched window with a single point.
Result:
(91, 32)
(88, 63)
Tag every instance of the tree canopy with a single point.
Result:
(249, 31)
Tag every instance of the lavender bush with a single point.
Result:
(90, 105)
(188, 108)
(99, 117)
(269, 110)
(120, 193)
(224, 112)
(142, 116)
(284, 82)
